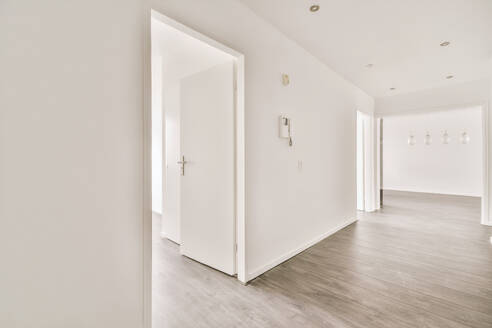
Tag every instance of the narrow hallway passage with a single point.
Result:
(422, 261)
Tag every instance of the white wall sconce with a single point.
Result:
(284, 124)
(464, 138)
(412, 140)
(445, 138)
(285, 79)
(427, 139)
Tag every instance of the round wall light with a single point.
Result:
(445, 138)
(412, 140)
(464, 138)
(314, 8)
(427, 139)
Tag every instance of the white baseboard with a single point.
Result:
(285, 257)
(434, 192)
(164, 236)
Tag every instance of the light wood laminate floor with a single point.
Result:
(422, 261)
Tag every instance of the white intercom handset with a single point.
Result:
(285, 128)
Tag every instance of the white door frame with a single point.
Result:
(485, 219)
(366, 135)
(239, 156)
(360, 163)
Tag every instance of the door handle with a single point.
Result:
(182, 162)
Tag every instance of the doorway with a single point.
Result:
(436, 154)
(198, 145)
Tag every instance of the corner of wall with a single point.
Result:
(259, 271)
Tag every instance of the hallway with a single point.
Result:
(422, 261)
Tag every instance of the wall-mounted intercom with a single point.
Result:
(285, 131)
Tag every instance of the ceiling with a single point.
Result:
(401, 39)
(182, 55)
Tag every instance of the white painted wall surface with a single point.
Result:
(452, 168)
(286, 208)
(71, 167)
(157, 134)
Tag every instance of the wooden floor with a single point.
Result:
(422, 261)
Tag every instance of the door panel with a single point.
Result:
(207, 186)
(170, 218)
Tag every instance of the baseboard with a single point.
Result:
(432, 192)
(164, 236)
(285, 257)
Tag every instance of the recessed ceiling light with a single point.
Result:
(392, 89)
(449, 77)
(369, 65)
(314, 8)
(445, 44)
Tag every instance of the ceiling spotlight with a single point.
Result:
(369, 65)
(445, 44)
(314, 8)
(449, 77)
(392, 89)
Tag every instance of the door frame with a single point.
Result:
(239, 151)
(365, 159)
(360, 162)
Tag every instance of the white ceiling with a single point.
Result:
(182, 55)
(399, 37)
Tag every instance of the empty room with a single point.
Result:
(245, 163)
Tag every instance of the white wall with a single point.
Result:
(452, 168)
(157, 134)
(286, 208)
(71, 167)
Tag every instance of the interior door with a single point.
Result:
(207, 184)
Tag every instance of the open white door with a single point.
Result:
(207, 186)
